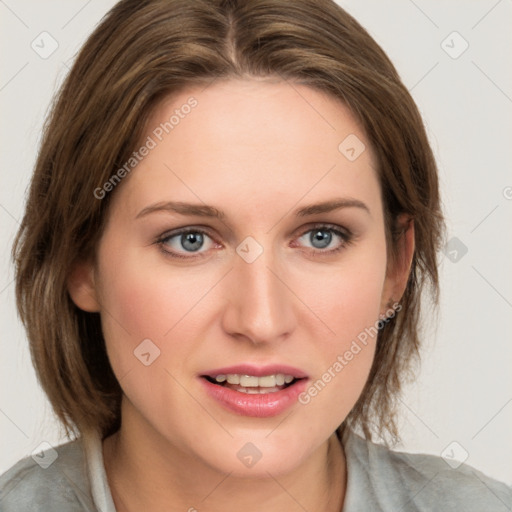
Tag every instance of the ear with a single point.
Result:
(82, 288)
(398, 269)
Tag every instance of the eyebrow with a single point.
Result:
(204, 210)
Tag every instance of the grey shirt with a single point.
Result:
(378, 479)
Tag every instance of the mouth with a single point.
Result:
(255, 391)
(253, 384)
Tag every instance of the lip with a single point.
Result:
(263, 405)
(257, 371)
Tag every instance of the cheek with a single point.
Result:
(346, 296)
(144, 292)
(141, 301)
(347, 300)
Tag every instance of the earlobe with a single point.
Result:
(399, 269)
(82, 288)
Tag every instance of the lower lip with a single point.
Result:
(264, 405)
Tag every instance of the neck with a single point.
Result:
(147, 472)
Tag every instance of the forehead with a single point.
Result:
(251, 143)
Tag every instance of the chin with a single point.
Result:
(258, 455)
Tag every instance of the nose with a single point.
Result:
(260, 306)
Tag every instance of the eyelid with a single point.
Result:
(327, 226)
(185, 229)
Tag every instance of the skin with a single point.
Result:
(258, 150)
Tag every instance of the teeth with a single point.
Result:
(233, 379)
(251, 381)
(248, 381)
(268, 381)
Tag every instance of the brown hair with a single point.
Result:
(144, 50)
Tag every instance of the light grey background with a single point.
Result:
(463, 393)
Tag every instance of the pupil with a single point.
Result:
(321, 239)
(192, 241)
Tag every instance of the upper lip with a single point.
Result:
(257, 371)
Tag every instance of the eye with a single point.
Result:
(194, 242)
(191, 241)
(326, 238)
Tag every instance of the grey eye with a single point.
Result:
(192, 241)
(320, 238)
(188, 242)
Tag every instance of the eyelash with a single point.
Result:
(345, 235)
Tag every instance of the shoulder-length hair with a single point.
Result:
(140, 53)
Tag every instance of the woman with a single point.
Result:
(232, 217)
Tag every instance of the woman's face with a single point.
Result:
(249, 240)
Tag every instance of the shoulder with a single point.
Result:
(53, 479)
(395, 480)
